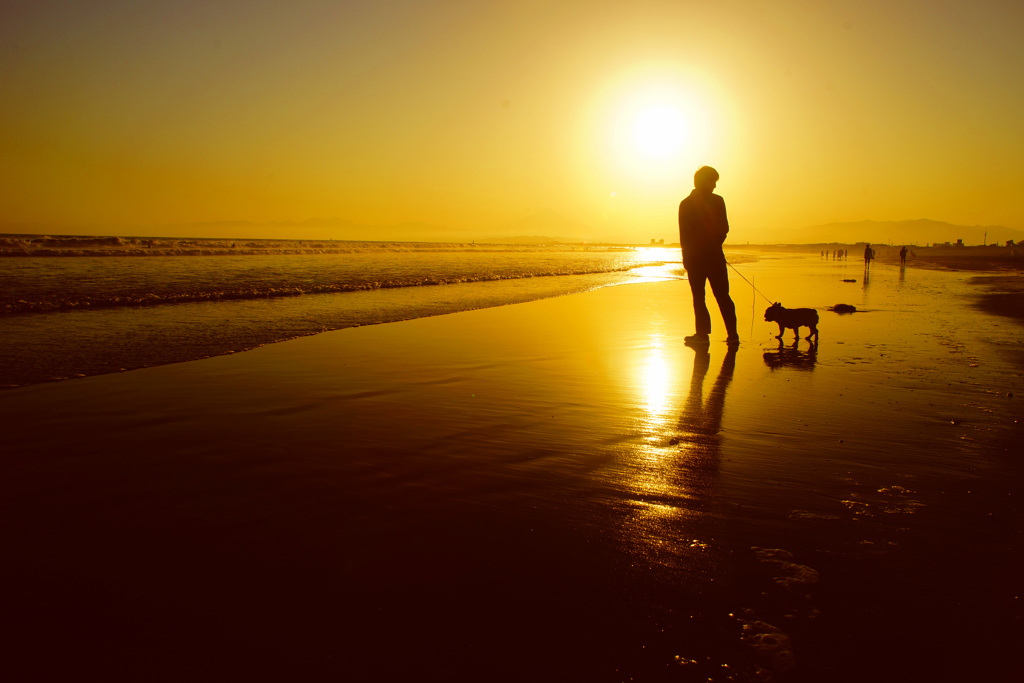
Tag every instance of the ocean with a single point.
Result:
(76, 307)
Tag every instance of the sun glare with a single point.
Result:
(655, 129)
(659, 131)
(643, 133)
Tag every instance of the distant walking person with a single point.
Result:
(703, 226)
(903, 256)
(869, 254)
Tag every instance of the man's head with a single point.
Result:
(705, 179)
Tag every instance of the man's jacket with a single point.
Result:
(703, 226)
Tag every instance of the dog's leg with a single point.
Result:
(782, 331)
(814, 333)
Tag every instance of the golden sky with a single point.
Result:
(476, 115)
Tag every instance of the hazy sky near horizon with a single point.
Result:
(476, 115)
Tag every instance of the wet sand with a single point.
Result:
(551, 491)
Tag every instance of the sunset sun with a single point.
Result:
(655, 128)
(659, 131)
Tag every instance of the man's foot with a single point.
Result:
(696, 340)
(733, 339)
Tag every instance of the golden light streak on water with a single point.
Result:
(674, 466)
(657, 380)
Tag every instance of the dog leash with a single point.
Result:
(738, 273)
(750, 283)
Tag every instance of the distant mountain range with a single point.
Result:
(555, 227)
(327, 229)
(543, 227)
(920, 232)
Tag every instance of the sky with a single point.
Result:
(476, 116)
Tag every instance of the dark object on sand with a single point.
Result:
(793, 319)
(848, 280)
(844, 308)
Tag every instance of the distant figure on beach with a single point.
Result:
(703, 226)
(869, 254)
(903, 256)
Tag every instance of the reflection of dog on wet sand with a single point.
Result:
(793, 319)
(792, 357)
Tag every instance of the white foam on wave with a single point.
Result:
(30, 285)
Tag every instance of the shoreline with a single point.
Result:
(954, 257)
(991, 258)
(46, 246)
(995, 292)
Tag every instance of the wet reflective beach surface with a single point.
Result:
(68, 317)
(559, 490)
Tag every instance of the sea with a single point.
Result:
(75, 306)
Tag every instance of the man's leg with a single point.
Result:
(701, 316)
(719, 279)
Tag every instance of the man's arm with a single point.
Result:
(724, 218)
(682, 227)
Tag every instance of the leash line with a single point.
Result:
(750, 283)
(676, 277)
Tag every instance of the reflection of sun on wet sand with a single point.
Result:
(558, 490)
(673, 481)
(697, 435)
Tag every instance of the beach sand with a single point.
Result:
(552, 491)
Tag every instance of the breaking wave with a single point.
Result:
(41, 283)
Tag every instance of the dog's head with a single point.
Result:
(771, 313)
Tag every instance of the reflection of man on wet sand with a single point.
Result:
(700, 423)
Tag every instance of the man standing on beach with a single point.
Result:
(703, 226)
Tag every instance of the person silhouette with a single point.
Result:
(703, 225)
(869, 254)
(903, 256)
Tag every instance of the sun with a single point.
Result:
(644, 130)
(659, 131)
(656, 128)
